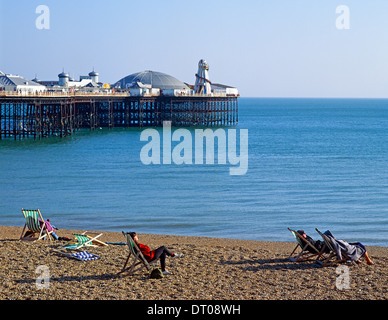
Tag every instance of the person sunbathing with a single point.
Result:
(319, 245)
(354, 250)
(152, 255)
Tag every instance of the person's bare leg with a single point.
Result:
(368, 260)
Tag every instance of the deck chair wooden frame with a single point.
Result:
(84, 240)
(138, 259)
(303, 244)
(332, 257)
(35, 223)
(93, 236)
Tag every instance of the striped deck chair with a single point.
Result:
(35, 223)
(81, 256)
(332, 258)
(83, 240)
(303, 244)
(138, 258)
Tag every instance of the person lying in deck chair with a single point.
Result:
(152, 255)
(316, 244)
(51, 228)
(353, 250)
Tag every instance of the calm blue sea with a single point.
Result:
(312, 163)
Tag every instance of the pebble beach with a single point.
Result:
(209, 269)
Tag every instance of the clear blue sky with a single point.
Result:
(267, 48)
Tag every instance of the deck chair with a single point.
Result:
(332, 258)
(84, 240)
(303, 245)
(138, 259)
(80, 256)
(35, 223)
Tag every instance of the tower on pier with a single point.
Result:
(202, 82)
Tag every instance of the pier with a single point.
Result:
(61, 114)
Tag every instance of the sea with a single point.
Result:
(312, 163)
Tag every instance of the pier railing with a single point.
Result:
(103, 94)
(61, 94)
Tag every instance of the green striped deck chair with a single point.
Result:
(83, 240)
(138, 259)
(304, 253)
(35, 223)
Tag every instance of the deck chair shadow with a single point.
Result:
(332, 257)
(84, 240)
(138, 260)
(304, 246)
(35, 223)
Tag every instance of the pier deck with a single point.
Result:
(37, 116)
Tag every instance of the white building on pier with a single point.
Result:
(16, 83)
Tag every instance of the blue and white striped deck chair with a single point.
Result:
(35, 223)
